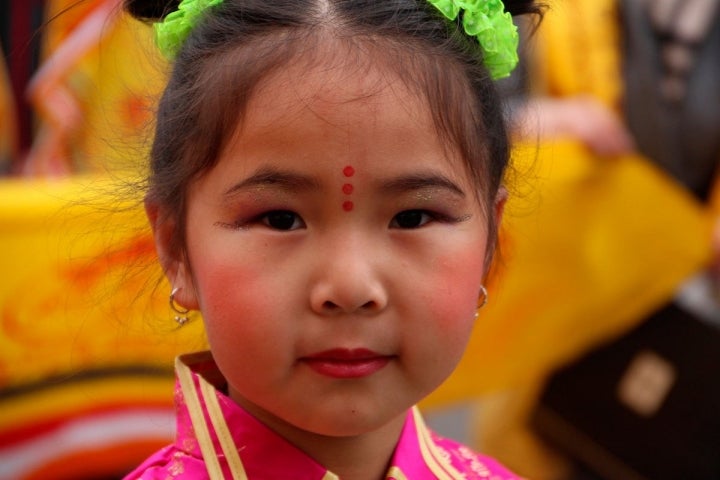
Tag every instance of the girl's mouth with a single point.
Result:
(346, 363)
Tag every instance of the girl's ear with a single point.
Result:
(498, 208)
(499, 204)
(172, 260)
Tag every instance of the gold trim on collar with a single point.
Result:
(192, 401)
(434, 459)
(237, 470)
(395, 474)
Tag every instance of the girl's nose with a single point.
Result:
(349, 280)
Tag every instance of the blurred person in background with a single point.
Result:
(20, 45)
(80, 86)
(669, 101)
(633, 86)
(8, 134)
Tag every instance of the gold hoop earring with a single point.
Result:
(483, 296)
(182, 313)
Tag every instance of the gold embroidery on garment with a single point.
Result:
(476, 465)
(176, 468)
(438, 463)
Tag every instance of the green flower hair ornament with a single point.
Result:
(493, 27)
(485, 20)
(171, 33)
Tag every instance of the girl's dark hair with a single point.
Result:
(240, 42)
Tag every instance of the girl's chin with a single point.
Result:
(345, 424)
(354, 423)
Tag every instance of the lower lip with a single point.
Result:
(347, 368)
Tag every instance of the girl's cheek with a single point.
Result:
(452, 302)
(223, 284)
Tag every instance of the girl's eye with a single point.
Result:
(411, 219)
(282, 220)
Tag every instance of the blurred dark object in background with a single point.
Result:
(644, 406)
(20, 37)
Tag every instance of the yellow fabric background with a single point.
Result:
(590, 245)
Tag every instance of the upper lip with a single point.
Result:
(345, 354)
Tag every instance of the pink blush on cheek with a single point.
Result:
(228, 310)
(466, 277)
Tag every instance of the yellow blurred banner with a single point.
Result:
(86, 336)
(589, 246)
(575, 51)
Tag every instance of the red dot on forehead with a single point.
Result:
(347, 189)
(348, 206)
(348, 171)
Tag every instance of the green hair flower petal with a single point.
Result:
(447, 7)
(492, 26)
(171, 33)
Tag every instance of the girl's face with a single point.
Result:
(336, 252)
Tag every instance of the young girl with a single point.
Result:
(325, 190)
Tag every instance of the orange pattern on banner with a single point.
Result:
(86, 279)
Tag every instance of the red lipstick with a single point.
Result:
(346, 363)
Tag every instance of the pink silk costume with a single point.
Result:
(217, 439)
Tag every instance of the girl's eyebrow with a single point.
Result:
(421, 182)
(272, 177)
(293, 181)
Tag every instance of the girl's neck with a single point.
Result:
(360, 457)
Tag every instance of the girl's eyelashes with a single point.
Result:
(410, 219)
(287, 220)
(283, 220)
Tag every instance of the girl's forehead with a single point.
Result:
(334, 104)
(331, 73)
(344, 114)
(337, 90)
(340, 102)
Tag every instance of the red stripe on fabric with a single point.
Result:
(108, 462)
(44, 425)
